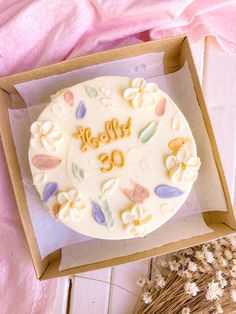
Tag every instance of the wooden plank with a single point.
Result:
(90, 292)
(61, 299)
(122, 301)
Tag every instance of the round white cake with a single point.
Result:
(113, 157)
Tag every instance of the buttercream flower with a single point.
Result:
(45, 135)
(71, 205)
(135, 219)
(141, 93)
(182, 168)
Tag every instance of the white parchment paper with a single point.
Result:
(52, 235)
(83, 253)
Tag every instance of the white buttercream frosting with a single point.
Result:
(141, 93)
(183, 168)
(71, 205)
(45, 135)
(136, 219)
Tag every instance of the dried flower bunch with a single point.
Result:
(201, 279)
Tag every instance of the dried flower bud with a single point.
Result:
(141, 282)
(192, 266)
(174, 265)
(218, 308)
(222, 262)
(213, 291)
(232, 273)
(202, 269)
(185, 310)
(191, 288)
(228, 255)
(199, 255)
(233, 295)
(189, 251)
(224, 242)
(160, 281)
(218, 253)
(233, 282)
(215, 265)
(147, 297)
(209, 256)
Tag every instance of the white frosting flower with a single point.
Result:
(71, 205)
(45, 135)
(141, 93)
(183, 168)
(135, 220)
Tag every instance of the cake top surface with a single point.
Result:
(113, 157)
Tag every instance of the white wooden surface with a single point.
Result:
(113, 290)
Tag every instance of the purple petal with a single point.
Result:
(81, 110)
(97, 213)
(50, 190)
(167, 191)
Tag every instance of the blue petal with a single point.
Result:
(167, 191)
(97, 213)
(50, 190)
(81, 110)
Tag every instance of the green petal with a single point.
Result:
(147, 133)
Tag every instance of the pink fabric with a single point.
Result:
(36, 33)
(19, 291)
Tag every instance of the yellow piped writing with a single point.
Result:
(113, 132)
(116, 159)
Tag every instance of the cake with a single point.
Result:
(112, 157)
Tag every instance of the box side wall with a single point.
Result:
(219, 230)
(14, 171)
(213, 216)
(170, 46)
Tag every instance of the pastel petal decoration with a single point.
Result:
(69, 97)
(109, 186)
(177, 143)
(161, 107)
(166, 191)
(177, 123)
(91, 91)
(81, 110)
(98, 213)
(138, 194)
(50, 190)
(78, 172)
(107, 212)
(148, 132)
(45, 162)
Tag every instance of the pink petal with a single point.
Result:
(161, 107)
(69, 97)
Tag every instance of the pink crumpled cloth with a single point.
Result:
(36, 33)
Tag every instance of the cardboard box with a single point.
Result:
(176, 53)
